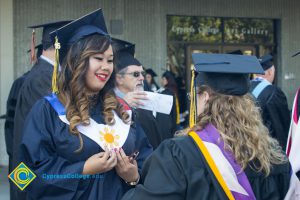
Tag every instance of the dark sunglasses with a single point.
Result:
(136, 74)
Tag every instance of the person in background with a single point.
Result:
(130, 88)
(168, 124)
(272, 101)
(10, 114)
(228, 153)
(82, 134)
(182, 99)
(35, 85)
(150, 74)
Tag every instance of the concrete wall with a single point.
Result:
(144, 23)
(6, 65)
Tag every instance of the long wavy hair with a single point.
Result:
(240, 124)
(72, 88)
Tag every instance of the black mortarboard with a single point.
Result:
(266, 61)
(296, 54)
(151, 72)
(38, 47)
(47, 28)
(124, 55)
(87, 25)
(226, 73)
(119, 45)
(64, 37)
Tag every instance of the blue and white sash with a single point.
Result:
(231, 172)
(260, 87)
(104, 135)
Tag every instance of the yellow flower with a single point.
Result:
(109, 137)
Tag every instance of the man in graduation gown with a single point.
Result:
(36, 85)
(272, 101)
(130, 86)
(11, 104)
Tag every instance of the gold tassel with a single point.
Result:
(55, 68)
(32, 48)
(193, 100)
(177, 110)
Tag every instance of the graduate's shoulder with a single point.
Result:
(182, 147)
(41, 107)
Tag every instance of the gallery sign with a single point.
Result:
(218, 29)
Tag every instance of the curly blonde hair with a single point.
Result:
(239, 122)
(72, 86)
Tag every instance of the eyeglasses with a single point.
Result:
(136, 74)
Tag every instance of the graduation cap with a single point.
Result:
(47, 28)
(64, 37)
(46, 39)
(296, 54)
(124, 55)
(151, 72)
(39, 48)
(92, 23)
(119, 45)
(266, 61)
(225, 73)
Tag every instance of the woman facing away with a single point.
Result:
(228, 153)
(78, 142)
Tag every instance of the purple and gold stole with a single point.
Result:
(227, 171)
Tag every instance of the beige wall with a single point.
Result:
(144, 22)
(6, 65)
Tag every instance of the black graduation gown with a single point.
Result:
(150, 126)
(275, 112)
(177, 170)
(36, 85)
(167, 122)
(10, 114)
(9, 122)
(52, 152)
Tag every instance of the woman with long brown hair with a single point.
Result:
(79, 141)
(228, 153)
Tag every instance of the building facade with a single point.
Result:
(165, 32)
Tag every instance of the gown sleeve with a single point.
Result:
(162, 177)
(274, 186)
(36, 85)
(38, 153)
(278, 114)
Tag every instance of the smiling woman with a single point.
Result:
(82, 129)
(100, 70)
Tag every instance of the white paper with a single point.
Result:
(158, 102)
